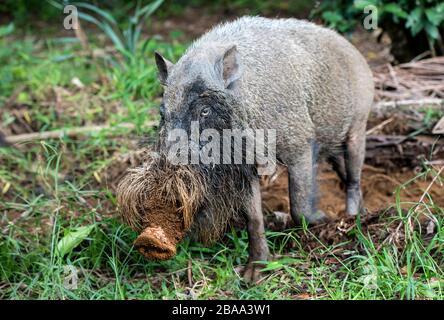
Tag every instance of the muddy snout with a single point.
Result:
(154, 244)
(159, 201)
(164, 229)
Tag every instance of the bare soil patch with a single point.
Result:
(378, 188)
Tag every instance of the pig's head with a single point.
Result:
(166, 202)
(199, 89)
(158, 200)
(163, 201)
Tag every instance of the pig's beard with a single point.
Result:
(225, 202)
(159, 188)
(196, 199)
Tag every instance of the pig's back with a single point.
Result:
(300, 78)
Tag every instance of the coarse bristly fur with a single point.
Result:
(183, 197)
(224, 203)
(159, 186)
(306, 82)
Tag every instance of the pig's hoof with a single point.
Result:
(278, 221)
(362, 210)
(252, 273)
(318, 217)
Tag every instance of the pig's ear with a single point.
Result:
(229, 66)
(163, 66)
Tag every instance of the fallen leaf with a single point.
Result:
(76, 82)
(72, 239)
(304, 296)
(97, 176)
(439, 127)
(431, 227)
(6, 187)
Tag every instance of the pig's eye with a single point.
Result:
(205, 112)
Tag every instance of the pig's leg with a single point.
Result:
(258, 248)
(354, 160)
(337, 162)
(302, 187)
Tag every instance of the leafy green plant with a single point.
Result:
(6, 30)
(132, 70)
(337, 14)
(416, 18)
(24, 11)
(72, 239)
(124, 38)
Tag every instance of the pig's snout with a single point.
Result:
(154, 244)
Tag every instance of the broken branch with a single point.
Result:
(72, 132)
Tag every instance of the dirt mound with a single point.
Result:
(378, 186)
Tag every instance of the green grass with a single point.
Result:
(50, 189)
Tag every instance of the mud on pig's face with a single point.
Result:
(159, 200)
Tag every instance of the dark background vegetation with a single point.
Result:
(415, 24)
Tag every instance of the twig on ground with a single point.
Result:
(439, 127)
(386, 140)
(190, 274)
(417, 79)
(72, 132)
(418, 103)
(379, 126)
(393, 75)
